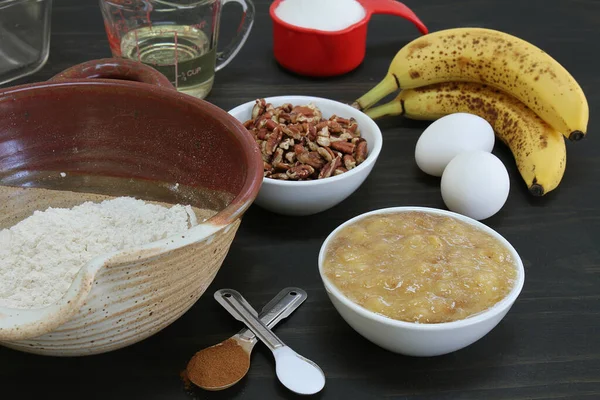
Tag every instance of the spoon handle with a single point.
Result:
(241, 310)
(280, 307)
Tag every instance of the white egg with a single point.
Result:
(449, 136)
(475, 184)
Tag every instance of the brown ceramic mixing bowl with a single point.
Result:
(126, 132)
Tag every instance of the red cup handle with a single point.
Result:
(393, 7)
(115, 68)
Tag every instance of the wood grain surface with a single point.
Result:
(548, 346)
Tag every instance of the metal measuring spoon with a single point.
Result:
(298, 374)
(280, 307)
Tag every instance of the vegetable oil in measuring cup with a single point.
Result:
(184, 54)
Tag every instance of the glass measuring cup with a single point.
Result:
(176, 37)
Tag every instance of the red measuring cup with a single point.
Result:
(319, 53)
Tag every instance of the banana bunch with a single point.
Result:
(530, 100)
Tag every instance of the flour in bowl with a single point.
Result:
(41, 255)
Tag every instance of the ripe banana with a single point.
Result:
(539, 150)
(494, 58)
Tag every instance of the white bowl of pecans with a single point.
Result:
(316, 152)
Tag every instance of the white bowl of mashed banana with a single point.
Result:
(420, 281)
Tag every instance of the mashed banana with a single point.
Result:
(419, 267)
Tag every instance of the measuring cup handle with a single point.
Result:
(115, 68)
(230, 51)
(393, 7)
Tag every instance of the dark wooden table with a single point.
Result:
(548, 346)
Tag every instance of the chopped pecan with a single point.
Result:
(324, 141)
(259, 108)
(270, 124)
(277, 157)
(339, 171)
(292, 132)
(326, 153)
(330, 167)
(297, 143)
(284, 117)
(263, 151)
(324, 132)
(311, 158)
(312, 146)
(286, 143)
(300, 171)
(273, 140)
(334, 127)
(281, 176)
(344, 147)
(290, 156)
(282, 166)
(349, 161)
(342, 121)
(312, 132)
(346, 136)
(321, 125)
(262, 133)
(361, 152)
(353, 126)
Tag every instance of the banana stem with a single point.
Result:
(394, 107)
(388, 85)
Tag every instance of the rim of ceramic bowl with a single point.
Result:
(374, 147)
(497, 308)
(289, 26)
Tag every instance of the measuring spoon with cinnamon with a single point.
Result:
(297, 373)
(223, 365)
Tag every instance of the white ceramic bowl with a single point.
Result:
(311, 197)
(421, 340)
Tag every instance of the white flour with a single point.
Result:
(41, 255)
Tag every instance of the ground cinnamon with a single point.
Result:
(219, 365)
